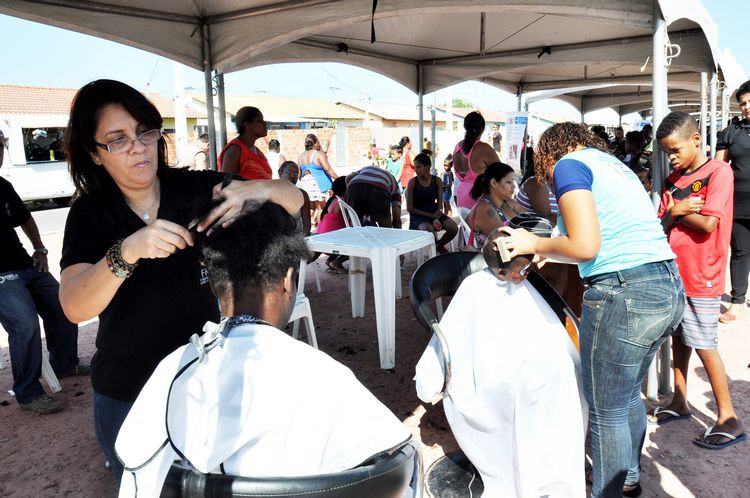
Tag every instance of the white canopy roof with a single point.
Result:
(514, 45)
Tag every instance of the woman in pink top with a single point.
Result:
(332, 219)
(471, 157)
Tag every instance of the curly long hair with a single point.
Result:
(561, 139)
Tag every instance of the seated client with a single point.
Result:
(246, 399)
(514, 402)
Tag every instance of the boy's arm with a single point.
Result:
(699, 222)
(719, 193)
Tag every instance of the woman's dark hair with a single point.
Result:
(274, 145)
(310, 141)
(496, 171)
(255, 251)
(743, 89)
(404, 140)
(561, 139)
(85, 113)
(338, 187)
(244, 115)
(635, 138)
(448, 158)
(423, 159)
(474, 126)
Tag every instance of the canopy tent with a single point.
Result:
(423, 44)
(624, 99)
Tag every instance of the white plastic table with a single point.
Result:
(381, 246)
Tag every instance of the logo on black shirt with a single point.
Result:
(204, 276)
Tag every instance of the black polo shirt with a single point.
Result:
(162, 303)
(736, 139)
(12, 254)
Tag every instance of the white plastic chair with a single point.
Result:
(463, 213)
(302, 310)
(48, 374)
(351, 218)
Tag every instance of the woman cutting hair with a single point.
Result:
(127, 254)
(634, 296)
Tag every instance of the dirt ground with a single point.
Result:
(57, 455)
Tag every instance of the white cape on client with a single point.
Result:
(260, 404)
(514, 403)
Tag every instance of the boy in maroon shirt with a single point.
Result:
(696, 212)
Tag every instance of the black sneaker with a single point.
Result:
(43, 405)
(77, 371)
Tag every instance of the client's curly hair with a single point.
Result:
(561, 139)
(256, 250)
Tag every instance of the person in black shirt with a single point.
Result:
(733, 146)
(128, 251)
(27, 291)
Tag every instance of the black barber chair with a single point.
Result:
(387, 475)
(453, 475)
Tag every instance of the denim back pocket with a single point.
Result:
(650, 309)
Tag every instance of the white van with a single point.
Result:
(34, 161)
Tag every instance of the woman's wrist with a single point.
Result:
(116, 263)
(127, 252)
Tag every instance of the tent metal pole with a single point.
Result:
(519, 94)
(420, 105)
(433, 138)
(704, 108)
(583, 111)
(208, 82)
(724, 105)
(659, 383)
(222, 109)
(619, 116)
(712, 105)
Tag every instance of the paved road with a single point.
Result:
(51, 221)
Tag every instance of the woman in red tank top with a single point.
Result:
(241, 156)
(407, 172)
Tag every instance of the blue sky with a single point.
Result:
(35, 54)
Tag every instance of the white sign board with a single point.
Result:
(516, 124)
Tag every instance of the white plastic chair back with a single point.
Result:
(351, 218)
(463, 214)
(302, 310)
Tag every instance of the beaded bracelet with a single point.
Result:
(116, 264)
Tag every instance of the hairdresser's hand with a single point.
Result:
(519, 241)
(237, 195)
(160, 239)
(684, 207)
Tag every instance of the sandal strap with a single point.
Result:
(709, 432)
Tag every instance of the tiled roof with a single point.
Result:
(284, 108)
(18, 99)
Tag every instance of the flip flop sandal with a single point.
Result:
(727, 318)
(732, 439)
(673, 415)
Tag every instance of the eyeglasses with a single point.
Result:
(125, 144)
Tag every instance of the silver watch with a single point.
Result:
(41, 250)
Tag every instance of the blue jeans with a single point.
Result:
(109, 415)
(626, 317)
(24, 296)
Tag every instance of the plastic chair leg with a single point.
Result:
(49, 375)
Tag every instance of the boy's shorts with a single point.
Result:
(700, 323)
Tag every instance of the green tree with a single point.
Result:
(458, 102)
